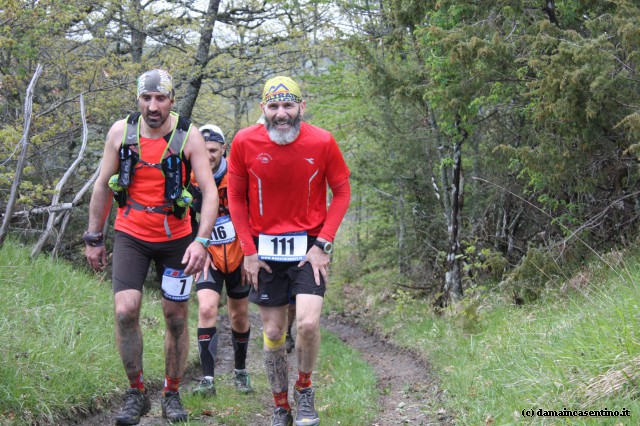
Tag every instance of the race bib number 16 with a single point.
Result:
(223, 232)
(176, 286)
(283, 248)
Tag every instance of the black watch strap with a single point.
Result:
(325, 246)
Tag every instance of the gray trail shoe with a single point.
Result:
(205, 388)
(306, 414)
(242, 381)
(172, 408)
(136, 404)
(281, 417)
(289, 343)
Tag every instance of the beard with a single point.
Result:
(283, 137)
(154, 120)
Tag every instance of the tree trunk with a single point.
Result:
(453, 277)
(185, 108)
(138, 36)
(24, 141)
(401, 229)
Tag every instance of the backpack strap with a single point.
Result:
(178, 138)
(131, 136)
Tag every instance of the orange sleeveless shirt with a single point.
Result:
(147, 188)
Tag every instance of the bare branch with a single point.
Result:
(58, 189)
(28, 110)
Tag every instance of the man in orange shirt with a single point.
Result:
(145, 162)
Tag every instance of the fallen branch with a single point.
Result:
(41, 210)
(67, 214)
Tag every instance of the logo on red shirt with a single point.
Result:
(264, 158)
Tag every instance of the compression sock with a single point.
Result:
(207, 348)
(138, 382)
(240, 346)
(171, 384)
(275, 362)
(281, 399)
(304, 380)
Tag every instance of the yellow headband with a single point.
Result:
(281, 89)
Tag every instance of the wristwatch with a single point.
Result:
(326, 246)
(204, 241)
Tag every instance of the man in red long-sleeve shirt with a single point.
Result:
(278, 176)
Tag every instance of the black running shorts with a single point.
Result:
(232, 281)
(132, 257)
(284, 282)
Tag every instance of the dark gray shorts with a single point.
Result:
(132, 257)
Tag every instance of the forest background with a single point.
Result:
(493, 145)
(488, 142)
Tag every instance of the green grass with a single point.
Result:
(58, 353)
(57, 338)
(569, 350)
(575, 349)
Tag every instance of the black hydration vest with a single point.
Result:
(170, 165)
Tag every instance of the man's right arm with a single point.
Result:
(101, 197)
(239, 210)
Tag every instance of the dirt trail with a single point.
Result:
(409, 393)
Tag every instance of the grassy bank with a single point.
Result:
(576, 348)
(59, 356)
(57, 339)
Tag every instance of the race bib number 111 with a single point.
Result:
(283, 248)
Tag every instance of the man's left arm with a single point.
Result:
(337, 175)
(337, 210)
(195, 151)
(339, 204)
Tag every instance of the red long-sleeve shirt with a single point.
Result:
(277, 189)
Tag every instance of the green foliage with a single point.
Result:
(542, 103)
(539, 268)
(479, 262)
(577, 343)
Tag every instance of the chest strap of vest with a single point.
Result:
(164, 209)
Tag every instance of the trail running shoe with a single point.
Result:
(289, 343)
(242, 382)
(281, 417)
(172, 408)
(205, 388)
(306, 414)
(136, 404)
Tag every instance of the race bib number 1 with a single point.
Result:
(283, 248)
(176, 286)
(223, 231)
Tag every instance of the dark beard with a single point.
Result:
(155, 121)
(284, 137)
